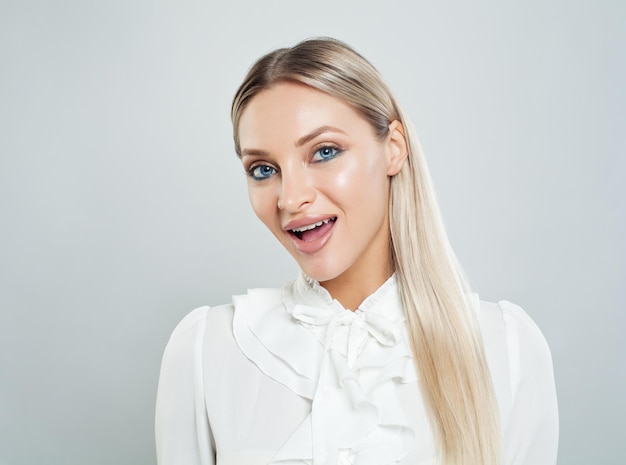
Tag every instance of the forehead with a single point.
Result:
(287, 111)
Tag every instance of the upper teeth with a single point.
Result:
(311, 226)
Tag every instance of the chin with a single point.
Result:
(320, 273)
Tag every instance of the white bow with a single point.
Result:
(385, 331)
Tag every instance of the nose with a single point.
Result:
(296, 190)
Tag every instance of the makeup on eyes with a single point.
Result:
(260, 171)
(334, 150)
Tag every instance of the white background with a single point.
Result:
(123, 206)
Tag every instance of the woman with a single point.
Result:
(377, 353)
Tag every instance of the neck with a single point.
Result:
(351, 288)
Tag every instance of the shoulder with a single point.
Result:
(509, 323)
(189, 322)
(520, 363)
(521, 369)
(213, 325)
(526, 345)
(193, 328)
(528, 350)
(516, 349)
(200, 317)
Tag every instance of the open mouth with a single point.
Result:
(313, 231)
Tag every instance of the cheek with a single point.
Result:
(261, 203)
(359, 179)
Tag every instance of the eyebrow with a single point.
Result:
(253, 153)
(313, 134)
(299, 143)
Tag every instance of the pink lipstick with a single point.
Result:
(311, 234)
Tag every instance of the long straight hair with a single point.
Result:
(447, 347)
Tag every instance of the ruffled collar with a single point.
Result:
(307, 291)
(347, 363)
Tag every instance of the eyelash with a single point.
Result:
(253, 171)
(335, 152)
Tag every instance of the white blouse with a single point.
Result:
(288, 376)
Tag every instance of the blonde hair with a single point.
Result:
(448, 350)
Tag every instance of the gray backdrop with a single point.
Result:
(123, 206)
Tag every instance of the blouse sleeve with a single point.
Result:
(183, 433)
(532, 431)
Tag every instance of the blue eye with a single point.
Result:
(260, 172)
(326, 153)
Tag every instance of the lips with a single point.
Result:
(313, 231)
(310, 235)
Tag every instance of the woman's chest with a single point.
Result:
(256, 420)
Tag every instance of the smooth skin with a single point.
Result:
(312, 158)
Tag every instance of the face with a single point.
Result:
(318, 178)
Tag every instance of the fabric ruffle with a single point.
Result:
(347, 363)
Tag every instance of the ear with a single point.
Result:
(397, 148)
